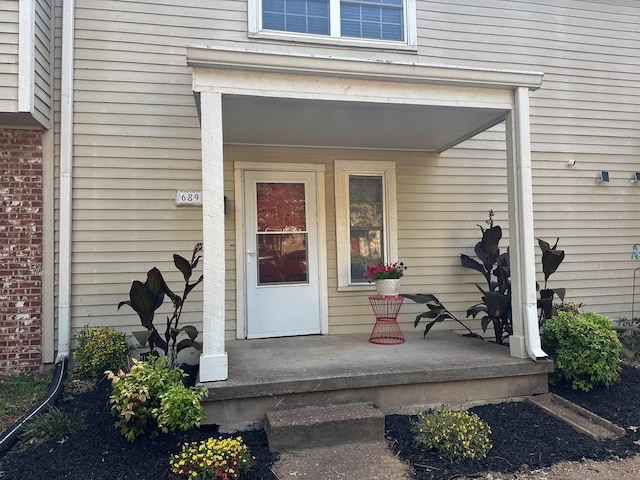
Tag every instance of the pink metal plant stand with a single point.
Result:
(386, 331)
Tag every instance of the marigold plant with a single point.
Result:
(212, 459)
(453, 434)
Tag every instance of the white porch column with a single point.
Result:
(213, 362)
(525, 341)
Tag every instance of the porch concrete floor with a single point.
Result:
(444, 367)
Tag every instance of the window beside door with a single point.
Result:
(375, 20)
(366, 223)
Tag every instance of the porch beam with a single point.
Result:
(213, 361)
(361, 69)
(525, 340)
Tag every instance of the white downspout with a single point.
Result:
(66, 177)
(526, 338)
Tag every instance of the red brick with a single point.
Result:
(20, 249)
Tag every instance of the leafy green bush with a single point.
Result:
(585, 349)
(212, 459)
(453, 434)
(180, 408)
(100, 349)
(152, 397)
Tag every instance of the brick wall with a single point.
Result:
(20, 250)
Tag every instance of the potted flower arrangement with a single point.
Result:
(386, 277)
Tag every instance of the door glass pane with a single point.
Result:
(281, 207)
(282, 255)
(282, 258)
(366, 219)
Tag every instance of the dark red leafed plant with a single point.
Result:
(145, 298)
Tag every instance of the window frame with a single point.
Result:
(410, 41)
(342, 171)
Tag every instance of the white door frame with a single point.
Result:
(241, 248)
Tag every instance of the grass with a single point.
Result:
(18, 395)
(52, 425)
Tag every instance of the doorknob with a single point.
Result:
(249, 255)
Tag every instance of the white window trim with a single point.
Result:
(410, 42)
(342, 170)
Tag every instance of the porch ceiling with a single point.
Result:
(303, 122)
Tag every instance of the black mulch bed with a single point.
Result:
(523, 438)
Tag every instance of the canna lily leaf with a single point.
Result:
(490, 239)
(191, 331)
(469, 262)
(485, 323)
(421, 297)
(551, 260)
(144, 302)
(142, 336)
(183, 265)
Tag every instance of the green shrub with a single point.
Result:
(180, 408)
(212, 459)
(453, 434)
(151, 398)
(100, 349)
(585, 349)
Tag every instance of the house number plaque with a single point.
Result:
(188, 197)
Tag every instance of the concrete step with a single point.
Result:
(312, 427)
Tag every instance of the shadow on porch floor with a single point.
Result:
(444, 367)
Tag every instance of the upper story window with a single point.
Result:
(382, 20)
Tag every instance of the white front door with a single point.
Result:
(281, 259)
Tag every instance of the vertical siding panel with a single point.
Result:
(43, 101)
(9, 56)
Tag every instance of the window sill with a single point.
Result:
(366, 44)
(358, 288)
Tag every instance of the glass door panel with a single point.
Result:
(282, 233)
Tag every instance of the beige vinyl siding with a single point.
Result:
(586, 110)
(137, 141)
(9, 55)
(43, 53)
(41, 77)
(437, 216)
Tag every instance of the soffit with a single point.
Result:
(298, 122)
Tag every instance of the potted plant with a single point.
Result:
(386, 277)
(145, 298)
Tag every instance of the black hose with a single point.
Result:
(10, 437)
